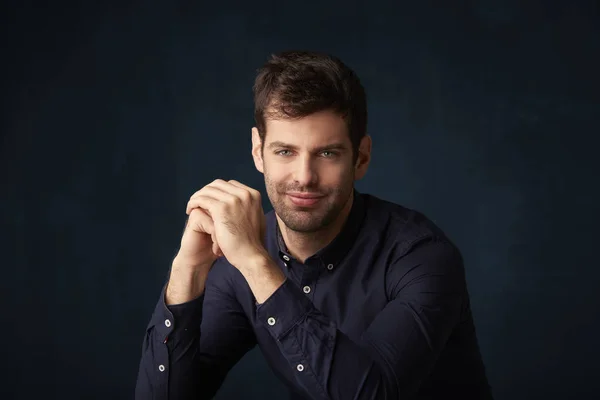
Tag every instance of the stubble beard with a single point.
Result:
(309, 220)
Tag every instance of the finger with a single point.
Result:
(201, 221)
(232, 188)
(218, 183)
(238, 190)
(210, 205)
(253, 192)
(208, 195)
(215, 249)
(239, 184)
(221, 191)
(201, 191)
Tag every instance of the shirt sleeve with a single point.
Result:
(398, 349)
(189, 348)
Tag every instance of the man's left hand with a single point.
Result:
(238, 218)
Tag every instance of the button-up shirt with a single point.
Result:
(382, 312)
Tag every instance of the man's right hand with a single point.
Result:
(197, 253)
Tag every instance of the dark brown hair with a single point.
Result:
(294, 84)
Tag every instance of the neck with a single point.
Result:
(302, 245)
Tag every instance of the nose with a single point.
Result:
(305, 173)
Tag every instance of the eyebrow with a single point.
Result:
(332, 146)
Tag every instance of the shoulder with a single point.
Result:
(415, 249)
(400, 226)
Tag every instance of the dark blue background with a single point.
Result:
(484, 116)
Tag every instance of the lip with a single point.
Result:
(304, 199)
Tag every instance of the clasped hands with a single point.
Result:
(236, 217)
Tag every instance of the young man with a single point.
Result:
(347, 295)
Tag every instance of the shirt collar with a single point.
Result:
(331, 255)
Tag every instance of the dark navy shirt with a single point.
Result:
(382, 312)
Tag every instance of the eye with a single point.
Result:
(329, 154)
(283, 153)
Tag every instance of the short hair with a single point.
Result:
(295, 84)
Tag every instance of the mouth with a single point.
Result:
(304, 199)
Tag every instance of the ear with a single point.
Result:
(257, 151)
(364, 157)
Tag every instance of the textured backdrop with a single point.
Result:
(484, 116)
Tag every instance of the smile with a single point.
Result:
(304, 199)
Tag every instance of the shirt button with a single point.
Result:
(300, 367)
(286, 258)
(271, 321)
(285, 264)
(306, 289)
(167, 323)
(330, 267)
(161, 368)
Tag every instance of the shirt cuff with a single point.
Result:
(176, 318)
(286, 307)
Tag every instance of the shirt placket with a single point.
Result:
(310, 278)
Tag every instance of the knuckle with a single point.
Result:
(246, 195)
(235, 200)
(195, 214)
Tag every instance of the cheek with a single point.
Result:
(274, 177)
(278, 170)
(275, 174)
(334, 174)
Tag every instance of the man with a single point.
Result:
(347, 295)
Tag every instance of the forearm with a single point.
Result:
(186, 282)
(169, 353)
(264, 277)
(189, 347)
(393, 355)
(325, 361)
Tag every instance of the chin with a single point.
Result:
(303, 227)
(305, 221)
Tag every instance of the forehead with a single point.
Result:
(315, 129)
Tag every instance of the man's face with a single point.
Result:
(308, 169)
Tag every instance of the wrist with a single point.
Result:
(186, 282)
(183, 263)
(256, 259)
(263, 275)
